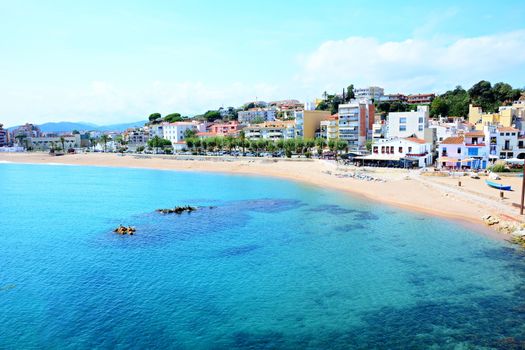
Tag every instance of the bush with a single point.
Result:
(140, 149)
(499, 168)
(288, 153)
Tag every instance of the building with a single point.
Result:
(175, 132)
(256, 114)
(329, 128)
(23, 132)
(452, 152)
(356, 120)
(421, 99)
(46, 143)
(379, 130)
(393, 98)
(477, 149)
(405, 124)
(402, 152)
(506, 142)
(222, 129)
(271, 130)
(307, 123)
(370, 93)
(136, 137)
(481, 119)
(4, 136)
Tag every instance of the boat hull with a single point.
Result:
(498, 186)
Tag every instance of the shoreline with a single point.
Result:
(402, 188)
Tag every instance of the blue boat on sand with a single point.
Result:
(498, 186)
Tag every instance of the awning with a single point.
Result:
(447, 160)
(379, 157)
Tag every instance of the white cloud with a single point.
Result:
(416, 64)
(102, 102)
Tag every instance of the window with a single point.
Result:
(409, 149)
(392, 149)
(420, 120)
(502, 134)
(400, 149)
(402, 120)
(508, 134)
(420, 128)
(402, 128)
(459, 150)
(375, 149)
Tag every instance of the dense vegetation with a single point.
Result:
(288, 147)
(489, 98)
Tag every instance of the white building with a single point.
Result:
(406, 124)
(355, 122)
(55, 142)
(271, 130)
(249, 116)
(174, 132)
(370, 93)
(409, 151)
(504, 142)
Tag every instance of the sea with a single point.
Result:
(263, 263)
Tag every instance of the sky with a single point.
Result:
(118, 61)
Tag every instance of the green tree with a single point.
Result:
(368, 145)
(439, 108)
(190, 133)
(190, 143)
(320, 143)
(154, 117)
(212, 116)
(63, 142)
(323, 106)
(173, 118)
(350, 92)
(105, 139)
(242, 141)
(482, 95)
(158, 142)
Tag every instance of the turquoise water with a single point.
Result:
(273, 264)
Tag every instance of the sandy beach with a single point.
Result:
(412, 189)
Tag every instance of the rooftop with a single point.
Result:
(455, 140)
(416, 140)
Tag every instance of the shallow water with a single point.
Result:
(272, 264)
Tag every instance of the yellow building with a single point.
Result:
(308, 122)
(477, 117)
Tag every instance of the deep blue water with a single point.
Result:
(273, 264)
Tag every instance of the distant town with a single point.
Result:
(458, 129)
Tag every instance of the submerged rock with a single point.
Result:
(123, 230)
(177, 210)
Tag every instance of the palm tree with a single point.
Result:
(299, 145)
(63, 142)
(104, 138)
(92, 142)
(21, 138)
(198, 144)
(320, 144)
(242, 137)
(309, 143)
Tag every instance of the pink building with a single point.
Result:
(225, 129)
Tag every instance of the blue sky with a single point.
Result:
(116, 61)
